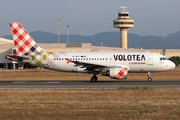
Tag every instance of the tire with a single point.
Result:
(149, 79)
(93, 79)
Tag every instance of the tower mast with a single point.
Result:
(123, 22)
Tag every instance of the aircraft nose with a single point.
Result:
(173, 65)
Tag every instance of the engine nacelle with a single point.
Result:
(118, 73)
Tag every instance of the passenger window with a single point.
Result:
(94, 58)
(86, 58)
(54, 58)
(97, 58)
(89, 58)
(59, 58)
(62, 59)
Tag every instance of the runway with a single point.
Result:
(87, 84)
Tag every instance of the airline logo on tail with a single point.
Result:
(26, 47)
(22, 40)
(28, 51)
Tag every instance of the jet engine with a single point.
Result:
(116, 73)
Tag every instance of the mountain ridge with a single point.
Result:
(111, 39)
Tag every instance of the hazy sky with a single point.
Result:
(88, 17)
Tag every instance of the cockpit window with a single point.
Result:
(163, 58)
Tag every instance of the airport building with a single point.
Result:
(7, 47)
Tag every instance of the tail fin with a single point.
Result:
(23, 42)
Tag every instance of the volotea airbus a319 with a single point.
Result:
(116, 65)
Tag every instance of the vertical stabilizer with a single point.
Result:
(23, 42)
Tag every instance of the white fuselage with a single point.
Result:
(133, 61)
(116, 65)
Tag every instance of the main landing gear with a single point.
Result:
(94, 78)
(149, 77)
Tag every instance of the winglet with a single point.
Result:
(158, 52)
(163, 52)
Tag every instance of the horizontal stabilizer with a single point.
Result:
(16, 58)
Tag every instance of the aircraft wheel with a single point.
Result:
(93, 79)
(149, 79)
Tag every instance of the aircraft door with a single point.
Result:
(150, 63)
(150, 60)
(106, 60)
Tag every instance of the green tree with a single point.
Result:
(178, 59)
(175, 59)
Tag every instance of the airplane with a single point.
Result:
(116, 65)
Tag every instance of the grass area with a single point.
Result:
(81, 104)
(54, 75)
(87, 104)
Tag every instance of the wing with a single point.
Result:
(92, 66)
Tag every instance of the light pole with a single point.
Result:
(58, 29)
(67, 34)
(101, 42)
(80, 37)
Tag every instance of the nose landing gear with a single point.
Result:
(149, 77)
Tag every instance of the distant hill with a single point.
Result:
(111, 39)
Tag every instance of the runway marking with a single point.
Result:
(52, 82)
(19, 82)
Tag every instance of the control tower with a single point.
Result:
(123, 23)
